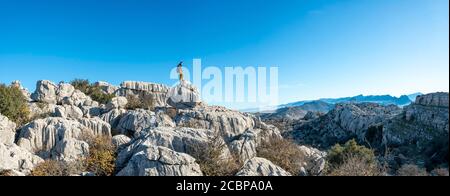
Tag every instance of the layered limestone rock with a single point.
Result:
(344, 122)
(184, 96)
(434, 99)
(117, 103)
(45, 92)
(68, 111)
(180, 139)
(42, 135)
(106, 87)
(97, 126)
(157, 93)
(120, 141)
(7, 130)
(15, 158)
(70, 150)
(133, 122)
(261, 167)
(113, 118)
(315, 160)
(152, 160)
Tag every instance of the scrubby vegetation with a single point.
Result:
(135, 102)
(352, 159)
(411, 170)
(212, 160)
(92, 91)
(58, 168)
(6, 173)
(283, 153)
(13, 104)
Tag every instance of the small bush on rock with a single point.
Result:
(357, 166)
(13, 104)
(284, 153)
(93, 91)
(211, 159)
(58, 168)
(135, 102)
(101, 157)
(440, 172)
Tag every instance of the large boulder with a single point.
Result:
(68, 111)
(183, 96)
(45, 92)
(42, 135)
(315, 160)
(70, 150)
(7, 130)
(117, 103)
(113, 117)
(97, 126)
(261, 167)
(133, 122)
(160, 161)
(106, 87)
(120, 141)
(15, 158)
(64, 90)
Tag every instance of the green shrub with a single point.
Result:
(13, 104)
(357, 166)
(101, 157)
(282, 152)
(93, 91)
(338, 154)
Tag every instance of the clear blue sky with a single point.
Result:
(323, 48)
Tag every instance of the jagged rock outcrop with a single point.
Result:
(7, 130)
(113, 118)
(70, 150)
(42, 135)
(117, 103)
(120, 141)
(344, 122)
(68, 111)
(41, 110)
(261, 167)
(24, 91)
(106, 87)
(183, 96)
(152, 160)
(133, 122)
(15, 158)
(97, 126)
(227, 122)
(64, 90)
(180, 139)
(315, 160)
(163, 119)
(157, 93)
(245, 146)
(45, 92)
(422, 130)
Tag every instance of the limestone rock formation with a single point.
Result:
(106, 87)
(15, 158)
(153, 160)
(70, 150)
(183, 96)
(261, 167)
(120, 140)
(68, 111)
(97, 126)
(117, 103)
(344, 122)
(315, 160)
(7, 130)
(157, 93)
(45, 92)
(133, 122)
(24, 91)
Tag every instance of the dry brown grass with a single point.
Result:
(211, 158)
(58, 168)
(411, 170)
(282, 152)
(357, 166)
(101, 157)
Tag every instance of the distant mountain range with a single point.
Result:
(310, 104)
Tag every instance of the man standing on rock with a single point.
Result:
(180, 71)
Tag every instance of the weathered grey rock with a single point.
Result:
(45, 92)
(70, 150)
(68, 111)
(344, 122)
(106, 87)
(64, 90)
(42, 135)
(13, 157)
(184, 96)
(24, 91)
(89, 111)
(164, 120)
(7, 130)
(133, 122)
(261, 167)
(157, 93)
(315, 161)
(160, 161)
(120, 140)
(245, 146)
(113, 117)
(433, 99)
(117, 103)
(97, 126)
(227, 122)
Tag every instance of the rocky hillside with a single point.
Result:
(161, 141)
